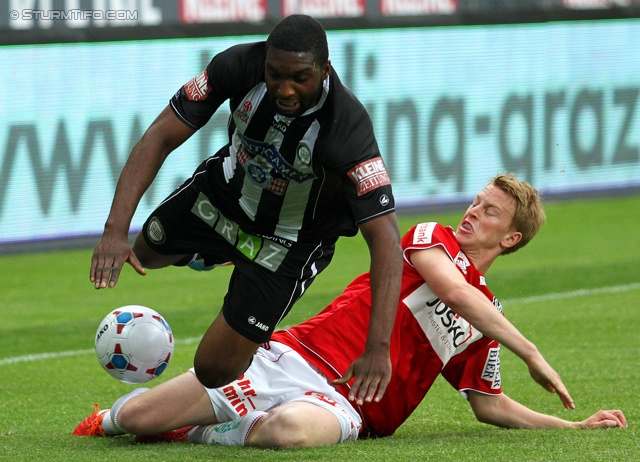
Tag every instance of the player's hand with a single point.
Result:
(372, 372)
(549, 379)
(107, 261)
(605, 419)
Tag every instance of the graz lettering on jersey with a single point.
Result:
(198, 88)
(491, 370)
(265, 158)
(369, 175)
(459, 330)
(267, 253)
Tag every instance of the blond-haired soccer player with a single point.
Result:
(296, 392)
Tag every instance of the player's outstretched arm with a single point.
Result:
(441, 274)
(549, 379)
(502, 411)
(165, 134)
(372, 370)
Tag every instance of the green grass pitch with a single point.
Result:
(573, 291)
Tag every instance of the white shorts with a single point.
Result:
(279, 375)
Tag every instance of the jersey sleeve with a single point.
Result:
(353, 155)
(229, 74)
(478, 370)
(427, 235)
(369, 190)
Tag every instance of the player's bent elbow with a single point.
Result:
(455, 297)
(484, 408)
(484, 418)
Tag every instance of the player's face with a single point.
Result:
(487, 222)
(294, 81)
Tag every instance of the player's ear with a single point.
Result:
(326, 70)
(511, 239)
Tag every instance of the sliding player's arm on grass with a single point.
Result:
(446, 281)
(502, 411)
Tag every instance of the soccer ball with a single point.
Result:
(134, 344)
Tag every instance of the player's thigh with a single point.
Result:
(258, 299)
(176, 403)
(151, 259)
(223, 354)
(297, 424)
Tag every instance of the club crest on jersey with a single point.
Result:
(369, 175)
(304, 154)
(155, 231)
(462, 262)
(198, 88)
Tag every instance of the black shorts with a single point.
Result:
(269, 276)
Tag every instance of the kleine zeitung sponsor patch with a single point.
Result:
(197, 88)
(369, 175)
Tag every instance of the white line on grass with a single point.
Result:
(575, 293)
(62, 354)
(191, 340)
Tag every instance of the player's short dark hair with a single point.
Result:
(301, 34)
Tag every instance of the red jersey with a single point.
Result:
(428, 338)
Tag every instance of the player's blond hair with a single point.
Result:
(529, 215)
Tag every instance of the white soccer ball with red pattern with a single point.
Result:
(134, 344)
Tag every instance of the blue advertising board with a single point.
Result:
(556, 103)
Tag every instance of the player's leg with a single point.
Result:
(223, 354)
(259, 297)
(173, 404)
(175, 235)
(151, 259)
(291, 425)
(280, 401)
(176, 403)
(295, 425)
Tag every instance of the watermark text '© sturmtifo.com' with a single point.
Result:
(74, 15)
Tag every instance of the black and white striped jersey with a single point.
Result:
(305, 179)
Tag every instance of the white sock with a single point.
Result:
(109, 421)
(232, 433)
(108, 426)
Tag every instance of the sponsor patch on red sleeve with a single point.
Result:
(423, 233)
(491, 372)
(369, 175)
(198, 88)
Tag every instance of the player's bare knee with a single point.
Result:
(133, 419)
(282, 428)
(214, 376)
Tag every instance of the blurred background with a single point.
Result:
(458, 90)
